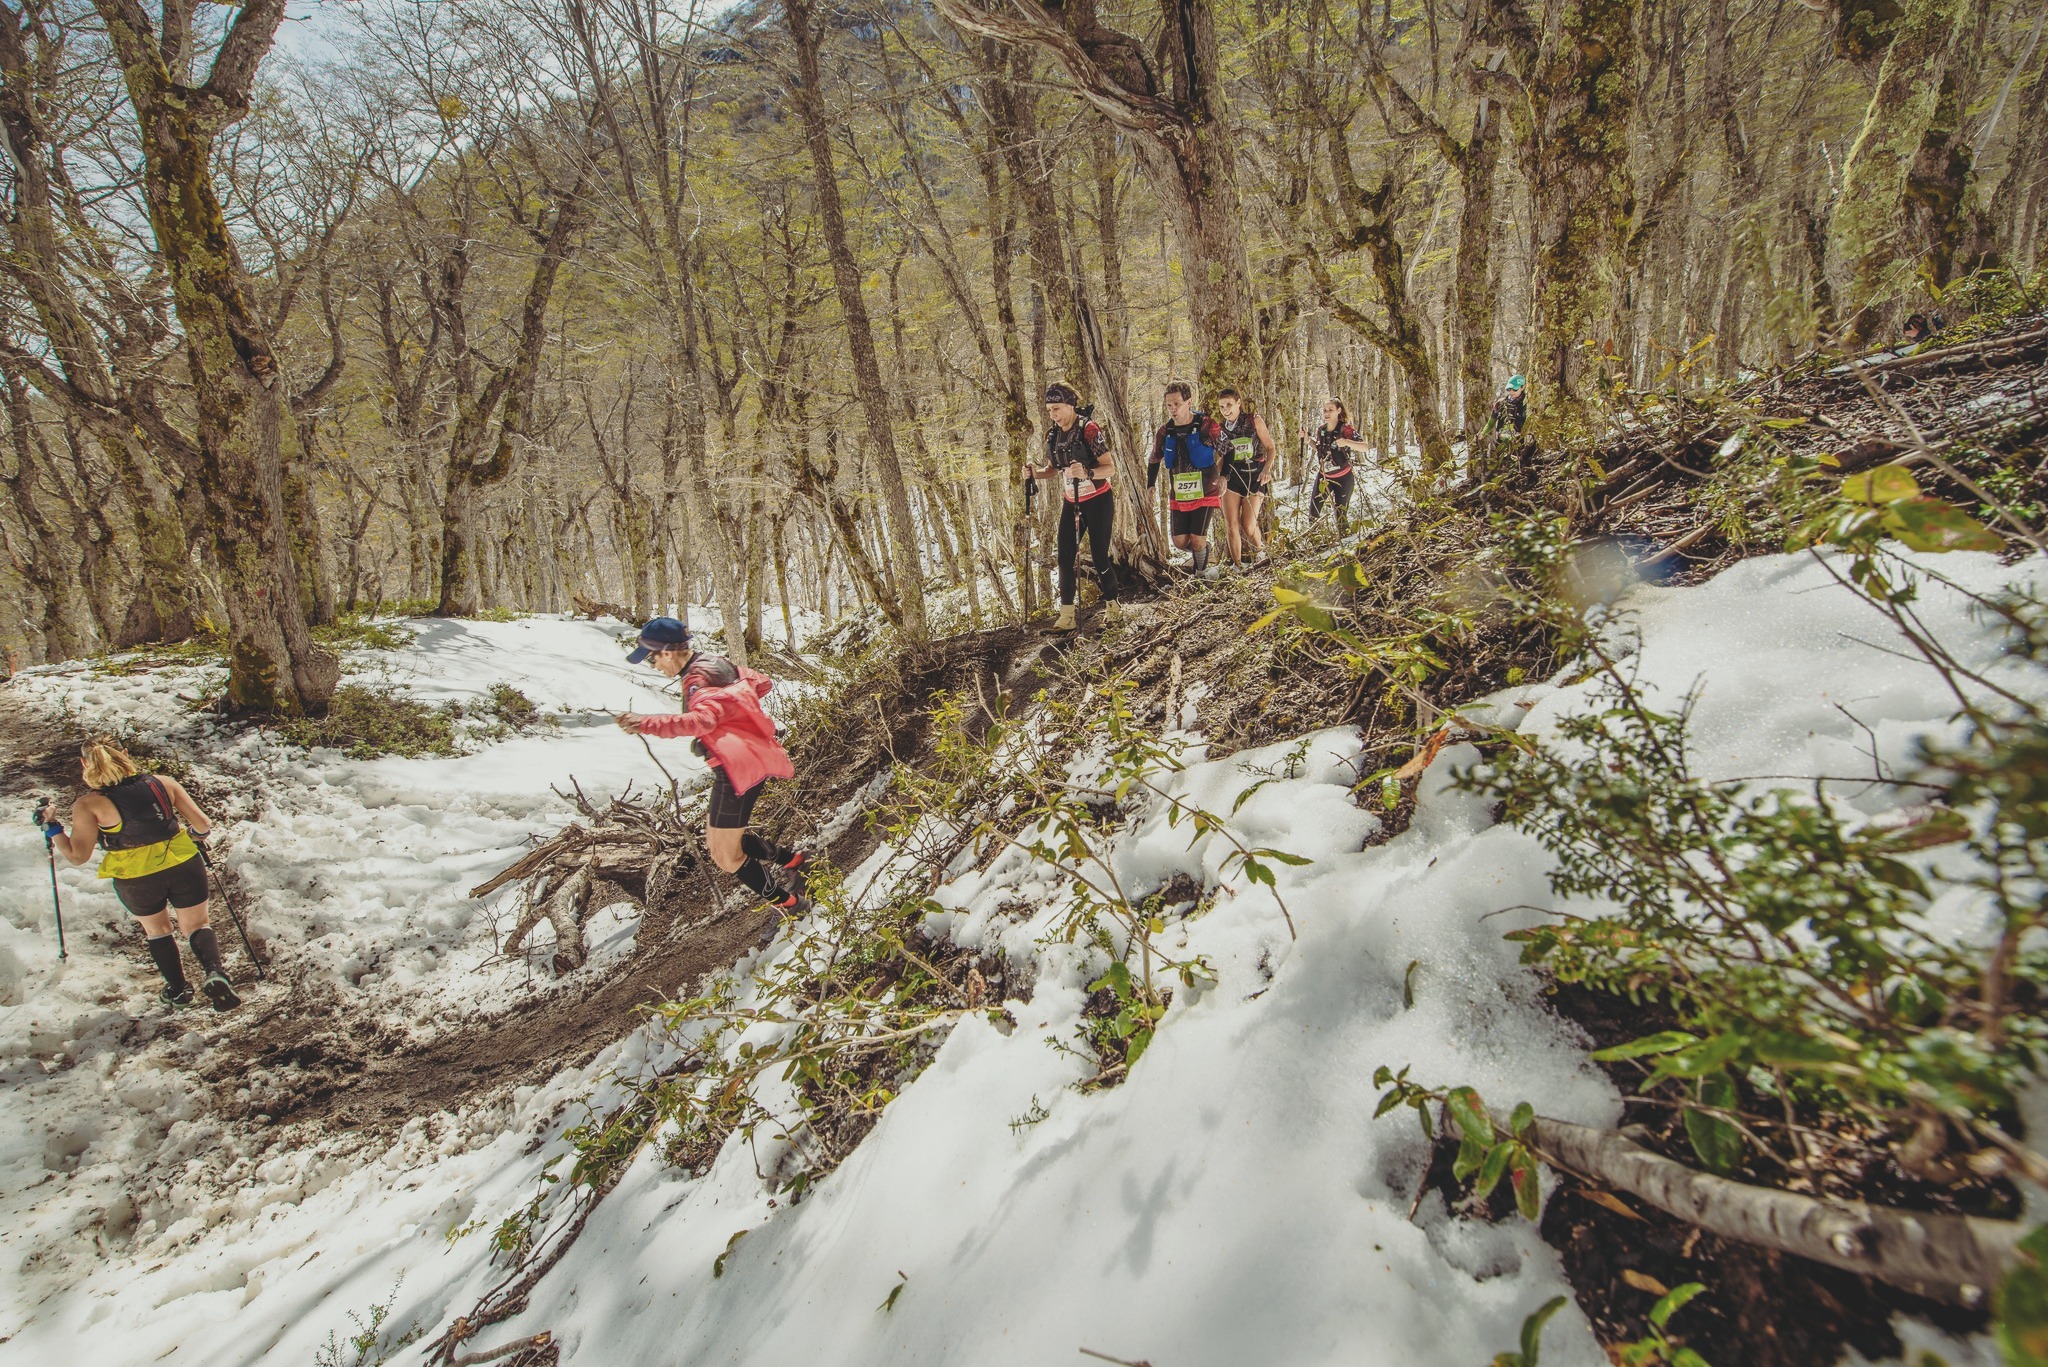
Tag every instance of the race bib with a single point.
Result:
(1187, 486)
(1242, 452)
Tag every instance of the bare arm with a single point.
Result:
(186, 807)
(1267, 445)
(77, 846)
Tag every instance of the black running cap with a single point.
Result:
(1061, 393)
(660, 633)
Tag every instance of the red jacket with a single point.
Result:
(722, 708)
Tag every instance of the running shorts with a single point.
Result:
(730, 810)
(180, 885)
(1192, 522)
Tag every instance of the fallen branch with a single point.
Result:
(1958, 1259)
(540, 1340)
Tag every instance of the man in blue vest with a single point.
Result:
(1186, 448)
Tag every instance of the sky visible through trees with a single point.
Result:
(483, 304)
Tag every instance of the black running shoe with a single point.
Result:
(177, 1001)
(220, 992)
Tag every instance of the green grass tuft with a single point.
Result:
(365, 722)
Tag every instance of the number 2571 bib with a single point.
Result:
(1187, 486)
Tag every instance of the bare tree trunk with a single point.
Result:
(1182, 132)
(472, 473)
(860, 337)
(48, 568)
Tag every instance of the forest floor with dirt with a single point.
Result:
(1686, 492)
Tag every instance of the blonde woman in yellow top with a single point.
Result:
(154, 862)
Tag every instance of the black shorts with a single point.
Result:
(180, 885)
(731, 810)
(1193, 522)
(1243, 483)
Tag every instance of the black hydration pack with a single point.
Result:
(147, 816)
(1071, 447)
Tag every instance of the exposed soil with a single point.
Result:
(345, 1070)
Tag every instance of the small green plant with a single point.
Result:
(1657, 1346)
(365, 722)
(1532, 1336)
(515, 1235)
(1137, 1015)
(511, 707)
(2021, 1321)
(1033, 1116)
(1485, 1153)
(369, 1345)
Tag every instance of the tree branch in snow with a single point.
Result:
(1958, 1259)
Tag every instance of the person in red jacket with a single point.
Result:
(722, 715)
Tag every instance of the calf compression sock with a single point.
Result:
(164, 949)
(1201, 559)
(752, 876)
(765, 850)
(206, 949)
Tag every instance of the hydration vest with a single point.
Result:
(147, 816)
(1241, 448)
(1070, 447)
(1334, 459)
(1186, 450)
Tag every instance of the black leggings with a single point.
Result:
(1098, 513)
(1339, 490)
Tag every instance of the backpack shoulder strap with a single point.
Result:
(163, 799)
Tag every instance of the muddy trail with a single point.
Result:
(306, 1058)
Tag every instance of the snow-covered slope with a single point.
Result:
(1233, 1201)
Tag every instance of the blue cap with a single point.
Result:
(1514, 382)
(660, 633)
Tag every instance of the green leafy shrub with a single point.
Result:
(510, 708)
(365, 722)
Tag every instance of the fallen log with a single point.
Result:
(1990, 353)
(1957, 1259)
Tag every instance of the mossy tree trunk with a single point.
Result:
(1576, 157)
(1870, 244)
(246, 433)
(83, 380)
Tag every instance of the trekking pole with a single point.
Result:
(233, 915)
(56, 904)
